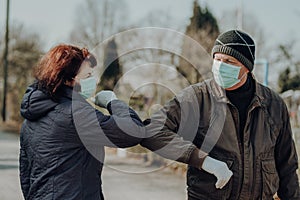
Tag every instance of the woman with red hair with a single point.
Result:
(55, 162)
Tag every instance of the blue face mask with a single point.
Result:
(88, 87)
(226, 75)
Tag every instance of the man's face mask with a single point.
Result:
(226, 75)
(88, 86)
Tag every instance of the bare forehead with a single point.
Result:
(225, 57)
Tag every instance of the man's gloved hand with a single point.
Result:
(104, 97)
(219, 169)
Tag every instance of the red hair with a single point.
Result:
(61, 64)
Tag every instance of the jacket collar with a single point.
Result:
(65, 92)
(220, 95)
(259, 97)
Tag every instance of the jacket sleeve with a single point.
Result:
(123, 128)
(287, 162)
(169, 133)
(24, 167)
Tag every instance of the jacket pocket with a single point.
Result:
(201, 183)
(270, 179)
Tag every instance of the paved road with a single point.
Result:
(122, 178)
(9, 181)
(134, 181)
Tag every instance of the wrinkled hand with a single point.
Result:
(219, 169)
(104, 97)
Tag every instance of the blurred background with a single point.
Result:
(146, 78)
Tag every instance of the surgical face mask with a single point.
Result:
(88, 87)
(226, 75)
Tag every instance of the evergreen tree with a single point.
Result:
(203, 28)
(283, 79)
(25, 49)
(112, 69)
(288, 82)
(289, 79)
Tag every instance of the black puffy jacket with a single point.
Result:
(62, 144)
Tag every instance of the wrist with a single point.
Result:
(109, 105)
(197, 158)
(209, 164)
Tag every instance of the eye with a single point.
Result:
(233, 62)
(89, 75)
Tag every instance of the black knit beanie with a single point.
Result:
(238, 45)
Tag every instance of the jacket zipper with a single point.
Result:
(254, 159)
(236, 118)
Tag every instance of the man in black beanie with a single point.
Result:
(237, 121)
(262, 147)
(256, 134)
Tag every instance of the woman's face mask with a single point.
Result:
(88, 86)
(86, 80)
(226, 75)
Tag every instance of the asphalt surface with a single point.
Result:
(123, 178)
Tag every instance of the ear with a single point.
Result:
(244, 69)
(70, 83)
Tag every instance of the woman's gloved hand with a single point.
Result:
(103, 97)
(219, 169)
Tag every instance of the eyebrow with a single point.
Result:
(228, 59)
(231, 60)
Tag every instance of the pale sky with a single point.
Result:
(54, 19)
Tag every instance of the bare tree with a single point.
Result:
(25, 49)
(96, 20)
(151, 55)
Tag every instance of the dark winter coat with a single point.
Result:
(62, 144)
(264, 161)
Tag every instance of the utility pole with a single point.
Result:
(240, 15)
(5, 63)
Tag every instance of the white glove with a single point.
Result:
(219, 169)
(104, 97)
